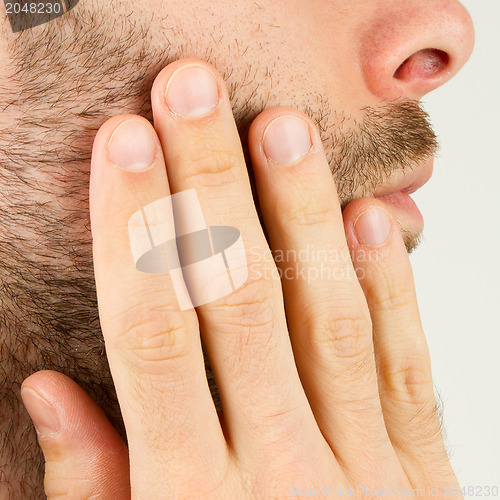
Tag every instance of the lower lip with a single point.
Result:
(404, 209)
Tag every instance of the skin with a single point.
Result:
(322, 414)
(276, 54)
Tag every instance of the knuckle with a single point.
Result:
(306, 211)
(251, 327)
(250, 309)
(152, 338)
(211, 163)
(395, 296)
(411, 383)
(339, 334)
(59, 483)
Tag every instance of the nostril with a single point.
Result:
(426, 63)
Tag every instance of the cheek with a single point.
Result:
(288, 52)
(312, 49)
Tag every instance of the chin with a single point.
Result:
(411, 240)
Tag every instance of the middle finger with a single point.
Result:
(245, 330)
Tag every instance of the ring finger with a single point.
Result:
(328, 317)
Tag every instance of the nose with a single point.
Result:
(410, 47)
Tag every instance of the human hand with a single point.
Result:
(338, 394)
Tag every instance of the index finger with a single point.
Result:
(153, 347)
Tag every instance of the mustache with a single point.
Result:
(395, 137)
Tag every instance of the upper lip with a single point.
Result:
(408, 182)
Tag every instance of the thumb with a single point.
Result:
(84, 455)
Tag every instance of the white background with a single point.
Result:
(457, 266)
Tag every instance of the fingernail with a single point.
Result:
(373, 227)
(286, 139)
(44, 416)
(133, 145)
(192, 92)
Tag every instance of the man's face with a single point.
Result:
(357, 67)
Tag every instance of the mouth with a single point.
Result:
(395, 194)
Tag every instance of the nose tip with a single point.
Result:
(414, 47)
